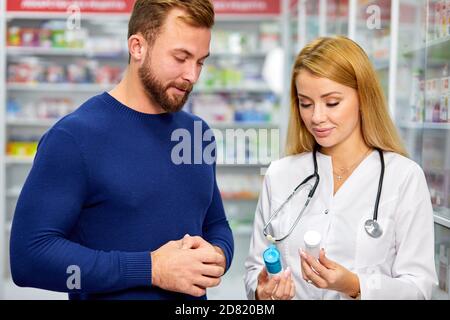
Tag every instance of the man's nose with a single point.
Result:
(191, 72)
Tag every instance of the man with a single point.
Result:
(104, 199)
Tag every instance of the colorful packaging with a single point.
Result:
(445, 117)
(429, 102)
(443, 19)
(59, 38)
(435, 100)
(14, 37)
(30, 37)
(448, 17)
(45, 38)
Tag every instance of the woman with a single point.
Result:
(338, 110)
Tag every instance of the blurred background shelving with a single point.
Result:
(47, 70)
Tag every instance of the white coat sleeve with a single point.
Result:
(413, 270)
(254, 262)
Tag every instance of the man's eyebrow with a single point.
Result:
(189, 54)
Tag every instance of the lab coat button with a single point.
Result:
(326, 211)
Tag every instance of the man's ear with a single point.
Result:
(137, 47)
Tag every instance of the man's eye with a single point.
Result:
(180, 59)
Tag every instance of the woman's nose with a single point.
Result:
(319, 114)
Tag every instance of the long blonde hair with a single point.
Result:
(343, 61)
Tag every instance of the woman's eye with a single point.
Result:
(332, 104)
(305, 105)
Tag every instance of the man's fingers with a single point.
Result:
(196, 291)
(206, 256)
(189, 242)
(212, 270)
(207, 282)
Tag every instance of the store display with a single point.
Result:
(45, 108)
(22, 147)
(443, 268)
(239, 186)
(35, 70)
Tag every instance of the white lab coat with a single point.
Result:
(398, 265)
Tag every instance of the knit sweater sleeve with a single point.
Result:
(41, 253)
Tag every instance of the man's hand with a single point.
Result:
(197, 242)
(186, 271)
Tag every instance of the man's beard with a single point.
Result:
(157, 92)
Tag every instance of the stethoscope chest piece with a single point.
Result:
(373, 229)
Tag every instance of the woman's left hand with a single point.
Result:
(327, 274)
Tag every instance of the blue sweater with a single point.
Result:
(104, 192)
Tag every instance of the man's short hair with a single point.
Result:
(149, 15)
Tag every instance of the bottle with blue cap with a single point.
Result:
(272, 260)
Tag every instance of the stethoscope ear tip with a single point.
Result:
(270, 239)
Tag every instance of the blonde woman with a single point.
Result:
(369, 203)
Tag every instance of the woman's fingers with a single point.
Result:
(311, 275)
(284, 287)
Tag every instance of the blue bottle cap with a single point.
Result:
(272, 259)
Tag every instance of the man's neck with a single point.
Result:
(131, 93)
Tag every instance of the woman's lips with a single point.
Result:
(322, 133)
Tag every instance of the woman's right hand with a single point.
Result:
(279, 287)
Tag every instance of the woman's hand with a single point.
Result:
(279, 287)
(327, 274)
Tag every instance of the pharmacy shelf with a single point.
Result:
(241, 55)
(12, 193)
(381, 65)
(40, 51)
(443, 221)
(63, 16)
(58, 87)
(439, 294)
(243, 125)
(424, 125)
(244, 166)
(434, 44)
(239, 199)
(19, 160)
(242, 230)
(257, 88)
(438, 42)
(31, 122)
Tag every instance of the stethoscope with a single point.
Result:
(371, 226)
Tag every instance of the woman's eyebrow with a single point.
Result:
(322, 96)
